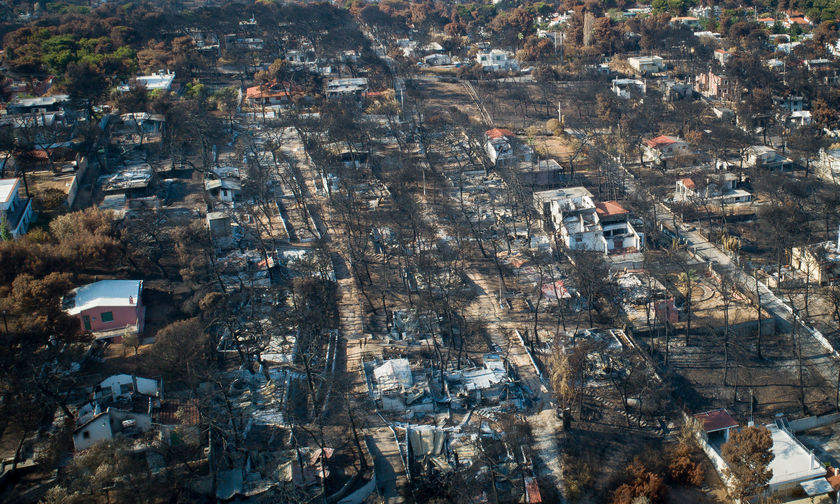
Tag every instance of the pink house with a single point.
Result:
(107, 307)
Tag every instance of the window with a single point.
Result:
(107, 316)
(86, 434)
(125, 388)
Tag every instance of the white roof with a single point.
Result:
(558, 194)
(393, 374)
(157, 81)
(160, 80)
(645, 59)
(7, 189)
(480, 379)
(103, 293)
(816, 487)
(41, 101)
(760, 149)
(791, 461)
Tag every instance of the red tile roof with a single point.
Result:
(532, 491)
(498, 133)
(272, 90)
(716, 420)
(688, 182)
(607, 208)
(833, 480)
(660, 141)
(799, 20)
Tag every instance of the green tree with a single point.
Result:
(227, 100)
(5, 232)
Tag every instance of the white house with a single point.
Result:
(629, 88)
(766, 157)
(646, 64)
(792, 463)
(225, 190)
(437, 59)
(798, 119)
(721, 189)
(790, 103)
(689, 21)
(717, 424)
(722, 56)
(356, 87)
(581, 224)
(498, 144)
(124, 385)
(617, 229)
(15, 212)
(665, 147)
(495, 60)
(120, 405)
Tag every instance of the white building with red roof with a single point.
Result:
(717, 424)
(618, 232)
(665, 147)
(498, 144)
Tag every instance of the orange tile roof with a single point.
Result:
(272, 90)
(688, 182)
(532, 491)
(607, 208)
(498, 133)
(833, 480)
(660, 141)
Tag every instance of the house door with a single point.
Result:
(618, 243)
(86, 322)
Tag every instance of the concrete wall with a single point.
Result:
(77, 181)
(813, 422)
(361, 494)
(720, 465)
